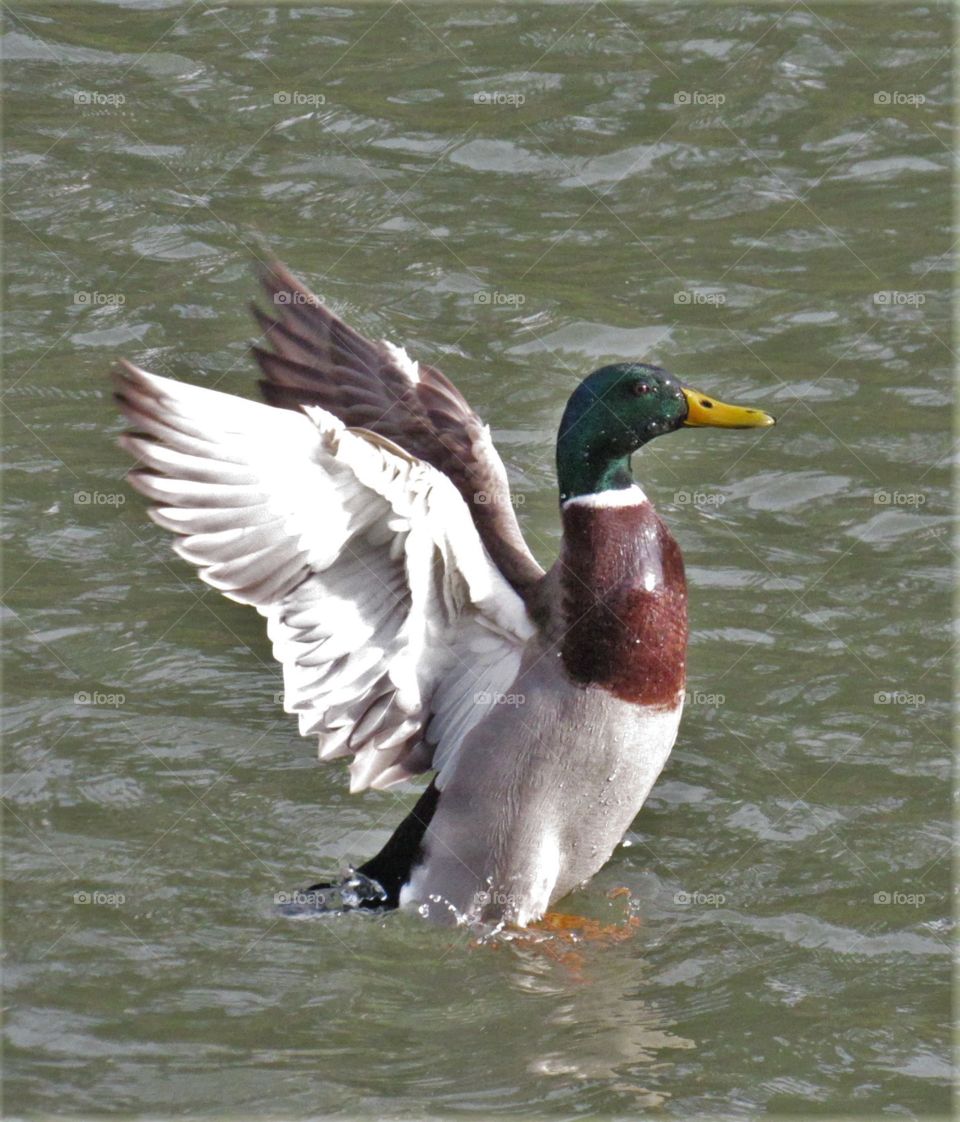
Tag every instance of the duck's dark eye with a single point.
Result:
(640, 388)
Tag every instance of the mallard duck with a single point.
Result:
(365, 513)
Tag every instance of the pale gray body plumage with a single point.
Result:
(527, 812)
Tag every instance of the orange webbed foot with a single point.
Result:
(564, 938)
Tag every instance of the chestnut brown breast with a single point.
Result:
(624, 602)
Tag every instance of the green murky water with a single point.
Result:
(758, 198)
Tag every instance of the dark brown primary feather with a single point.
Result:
(316, 359)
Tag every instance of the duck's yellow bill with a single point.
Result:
(703, 410)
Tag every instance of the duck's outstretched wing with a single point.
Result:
(316, 359)
(395, 630)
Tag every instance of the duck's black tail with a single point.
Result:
(377, 882)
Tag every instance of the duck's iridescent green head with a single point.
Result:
(617, 409)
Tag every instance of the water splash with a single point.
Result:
(353, 892)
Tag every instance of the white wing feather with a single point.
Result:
(395, 630)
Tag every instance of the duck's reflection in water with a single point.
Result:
(597, 1026)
